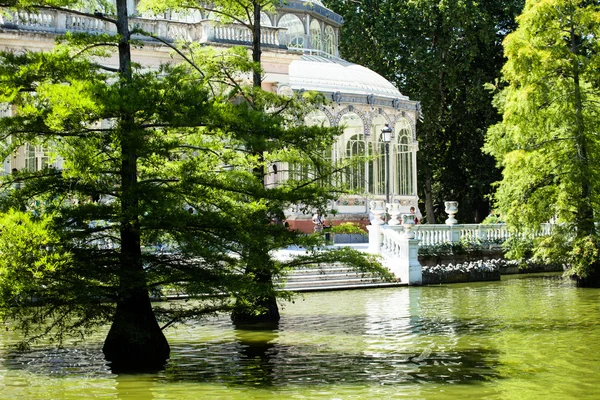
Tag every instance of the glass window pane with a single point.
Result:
(295, 30)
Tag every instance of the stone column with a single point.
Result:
(413, 271)
(451, 210)
(405, 264)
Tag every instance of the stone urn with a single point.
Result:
(377, 209)
(451, 210)
(408, 222)
(394, 211)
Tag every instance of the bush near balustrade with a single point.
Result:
(513, 256)
(463, 251)
(461, 248)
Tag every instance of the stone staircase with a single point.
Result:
(334, 277)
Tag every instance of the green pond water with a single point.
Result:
(525, 337)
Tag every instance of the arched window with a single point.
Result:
(192, 16)
(295, 30)
(36, 158)
(355, 177)
(213, 16)
(317, 118)
(305, 171)
(315, 35)
(265, 20)
(353, 148)
(378, 160)
(403, 153)
(329, 41)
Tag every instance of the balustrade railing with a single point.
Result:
(432, 235)
(59, 22)
(392, 243)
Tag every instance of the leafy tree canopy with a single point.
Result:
(440, 53)
(158, 189)
(547, 143)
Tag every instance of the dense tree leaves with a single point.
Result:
(547, 142)
(159, 190)
(440, 53)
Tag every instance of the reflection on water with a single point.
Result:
(508, 339)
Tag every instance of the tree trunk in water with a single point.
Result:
(268, 314)
(135, 342)
(268, 317)
(590, 281)
(245, 312)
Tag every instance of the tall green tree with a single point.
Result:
(248, 14)
(440, 53)
(548, 141)
(167, 153)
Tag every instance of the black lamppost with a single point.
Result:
(386, 132)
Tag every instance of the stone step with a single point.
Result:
(332, 276)
(346, 286)
(331, 281)
(322, 270)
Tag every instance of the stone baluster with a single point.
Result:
(451, 210)
(483, 233)
(162, 29)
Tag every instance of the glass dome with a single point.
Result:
(323, 74)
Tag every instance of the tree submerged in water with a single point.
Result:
(158, 189)
(548, 142)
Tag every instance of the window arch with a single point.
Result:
(295, 30)
(353, 147)
(315, 35)
(378, 160)
(329, 40)
(193, 16)
(300, 170)
(403, 153)
(214, 16)
(265, 20)
(317, 118)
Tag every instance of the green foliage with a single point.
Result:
(463, 247)
(162, 185)
(518, 248)
(42, 290)
(493, 218)
(348, 228)
(30, 254)
(440, 53)
(547, 142)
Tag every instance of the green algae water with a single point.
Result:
(525, 337)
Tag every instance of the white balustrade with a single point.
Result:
(60, 22)
(81, 23)
(401, 255)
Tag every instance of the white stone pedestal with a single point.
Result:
(375, 238)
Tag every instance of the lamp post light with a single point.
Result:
(386, 132)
